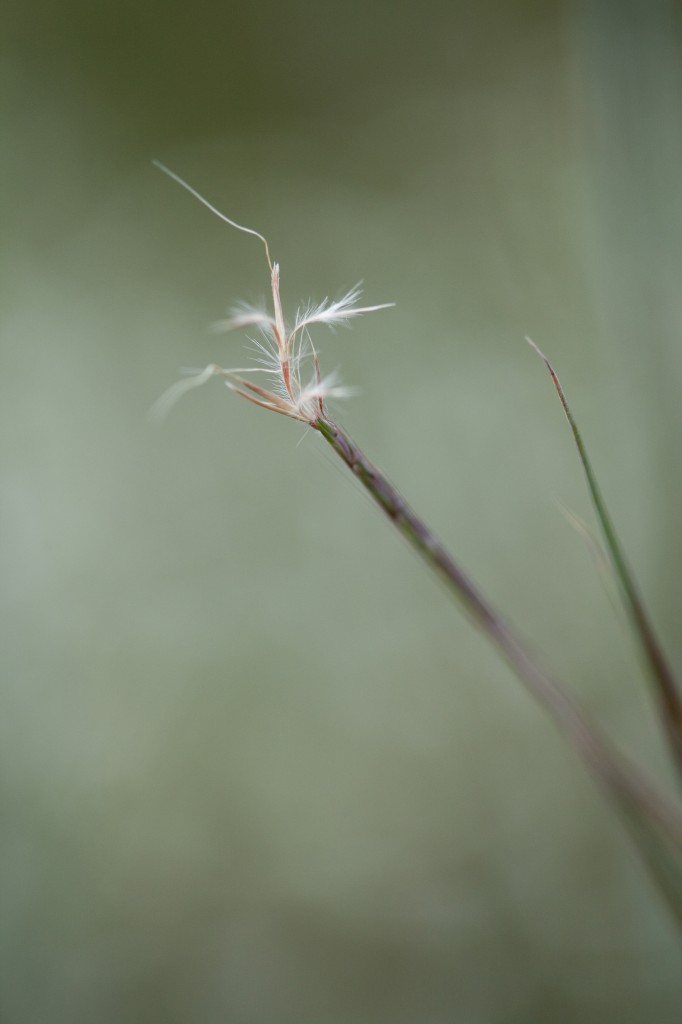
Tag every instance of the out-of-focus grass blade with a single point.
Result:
(659, 851)
(601, 560)
(667, 691)
(661, 858)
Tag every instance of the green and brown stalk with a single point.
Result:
(666, 687)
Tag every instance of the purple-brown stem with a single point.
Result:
(621, 778)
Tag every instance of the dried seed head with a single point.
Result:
(296, 386)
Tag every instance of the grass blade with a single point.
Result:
(669, 701)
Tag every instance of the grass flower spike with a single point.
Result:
(284, 351)
(296, 389)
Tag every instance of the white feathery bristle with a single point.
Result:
(244, 316)
(334, 313)
(172, 395)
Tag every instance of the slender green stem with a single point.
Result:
(641, 801)
(668, 695)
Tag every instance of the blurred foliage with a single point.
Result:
(254, 766)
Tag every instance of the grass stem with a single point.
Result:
(654, 818)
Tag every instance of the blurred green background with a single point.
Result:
(255, 767)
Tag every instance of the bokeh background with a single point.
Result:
(255, 766)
